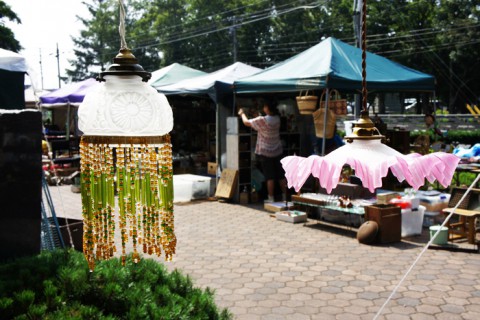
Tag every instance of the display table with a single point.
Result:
(329, 210)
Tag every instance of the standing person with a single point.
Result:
(269, 147)
(431, 125)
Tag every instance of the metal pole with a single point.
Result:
(58, 67)
(357, 26)
(327, 93)
(234, 39)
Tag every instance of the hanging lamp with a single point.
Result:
(368, 156)
(126, 163)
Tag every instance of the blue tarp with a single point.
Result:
(474, 151)
(337, 65)
(70, 94)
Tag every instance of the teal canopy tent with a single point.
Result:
(213, 84)
(173, 73)
(337, 65)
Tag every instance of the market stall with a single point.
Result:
(331, 64)
(201, 105)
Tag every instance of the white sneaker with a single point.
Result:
(269, 200)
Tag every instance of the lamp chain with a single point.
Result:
(364, 55)
(121, 27)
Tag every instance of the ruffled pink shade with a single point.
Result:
(371, 160)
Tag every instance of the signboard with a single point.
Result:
(226, 185)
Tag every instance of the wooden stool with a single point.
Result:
(467, 211)
(465, 227)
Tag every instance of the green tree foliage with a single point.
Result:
(457, 62)
(436, 37)
(7, 38)
(59, 285)
(98, 43)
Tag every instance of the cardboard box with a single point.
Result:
(291, 216)
(277, 206)
(384, 198)
(212, 168)
(244, 198)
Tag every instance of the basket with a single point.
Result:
(335, 103)
(306, 104)
(319, 121)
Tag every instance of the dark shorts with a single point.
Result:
(271, 167)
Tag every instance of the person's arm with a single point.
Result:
(245, 121)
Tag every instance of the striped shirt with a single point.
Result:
(268, 139)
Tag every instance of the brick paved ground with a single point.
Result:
(261, 268)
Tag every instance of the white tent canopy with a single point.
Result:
(211, 83)
(12, 61)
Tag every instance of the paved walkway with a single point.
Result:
(261, 268)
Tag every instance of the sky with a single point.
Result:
(46, 23)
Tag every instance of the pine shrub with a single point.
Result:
(58, 285)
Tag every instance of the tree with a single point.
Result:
(99, 43)
(432, 36)
(457, 53)
(7, 38)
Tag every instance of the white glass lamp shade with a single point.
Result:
(371, 160)
(125, 106)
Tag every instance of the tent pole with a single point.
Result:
(217, 140)
(327, 93)
(67, 125)
(435, 114)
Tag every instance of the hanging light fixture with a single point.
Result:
(126, 163)
(368, 156)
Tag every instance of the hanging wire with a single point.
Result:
(432, 238)
(364, 56)
(121, 27)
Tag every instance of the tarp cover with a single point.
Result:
(172, 74)
(12, 61)
(13, 67)
(211, 83)
(337, 65)
(71, 94)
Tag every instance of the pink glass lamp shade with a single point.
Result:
(371, 160)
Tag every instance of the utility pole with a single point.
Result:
(58, 67)
(234, 31)
(41, 66)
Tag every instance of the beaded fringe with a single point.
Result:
(131, 176)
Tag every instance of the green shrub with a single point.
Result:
(452, 137)
(59, 285)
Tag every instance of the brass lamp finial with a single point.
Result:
(125, 64)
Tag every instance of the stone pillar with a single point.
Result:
(20, 182)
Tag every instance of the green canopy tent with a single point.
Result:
(173, 73)
(333, 64)
(336, 65)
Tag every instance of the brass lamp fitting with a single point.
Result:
(364, 129)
